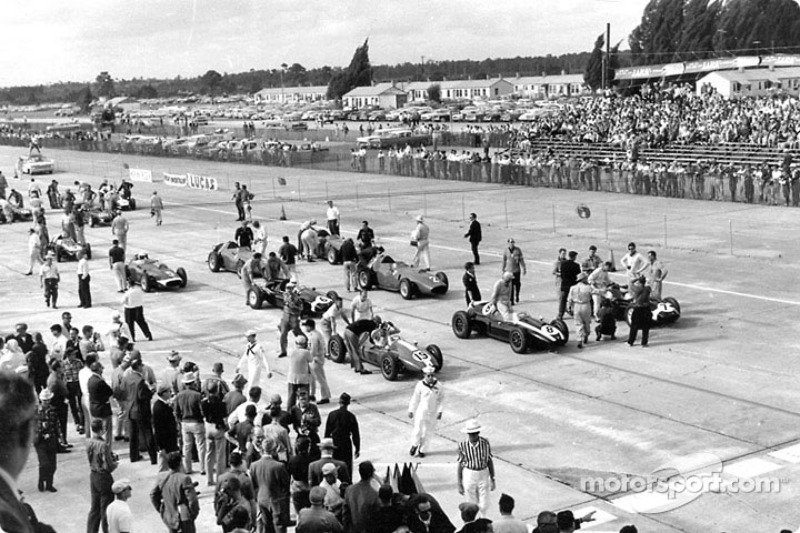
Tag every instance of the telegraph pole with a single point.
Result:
(607, 58)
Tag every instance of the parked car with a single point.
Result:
(34, 164)
(385, 273)
(152, 274)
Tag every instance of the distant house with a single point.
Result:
(125, 103)
(384, 95)
(282, 95)
(550, 86)
(752, 82)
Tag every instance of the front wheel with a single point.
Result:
(561, 326)
(364, 279)
(213, 262)
(337, 349)
(436, 354)
(462, 328)
(184, 278)
(389, 367)
(147, 283)
(674, 303)
(332, 255)
(518, 340)
(132, 204)
(255, 298)
(442, 277)
(407, 289)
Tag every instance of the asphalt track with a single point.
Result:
(721, 381)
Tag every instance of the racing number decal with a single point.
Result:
(550, 330)
(420, 356)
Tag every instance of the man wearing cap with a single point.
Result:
(425, 408)
(138, 395)
(569, 277)
(271, 484)
(514, 262)
(173, 374)
(334, 500)
(360, 501)
(253, 361)
(580, 305)
(118, 513)
(165, 426)
(475, 235)
(116, 262)
(475, 467)
(235, 397)
(317, 519)
(189, 412)
(299, 372)
(421, 235)
(502, 292)
(327, 448)
(342, 428)
(48, 280)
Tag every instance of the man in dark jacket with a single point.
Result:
(271, 483)
(315, 469)
(349, 260)
(472, 293)
(100, 394)
(165, 427)
(569, 277)
(425, 515)
(360, 501)
(342, 428)
(139, 395)
(475, 236)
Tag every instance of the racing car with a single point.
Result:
(94, 216)
(152, 273)
(523, 333)
(327, 245)
(228, 256)
(664, 311)
(65, 248)
(271, 291)
(395, 356)
(384, 272)
(34, 164)
(11, 212)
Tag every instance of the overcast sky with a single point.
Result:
(55, 40)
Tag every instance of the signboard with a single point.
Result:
(140, 174)
(202, 182)
(175, 180)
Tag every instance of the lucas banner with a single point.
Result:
(140, 174)
(175, 180)
(202, 182)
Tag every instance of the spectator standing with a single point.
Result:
(37, 360)
(235, 397)
(34, 251)
(119, 228)
(562, 256)
(102, 462)
(342, 428)
(569, 277)
(475, 235)
(514, 262)
(360, 501)
(507, 523)
(475, 467)
(237, 200)
(640, 320)
(230, 503)
(140, 427)
(217, 369)
(165, 426)
(133, 304)
(118, 512)
(306, 419)
(260, 237)
(426, 516)
(580, 304)
(174, 497)
(46, 441)
(299, 373)
(100, 398)
(655, 274)
(472, 293)
(214, 414)
(290, 321)
(253, 361)
(599, 281)
(333, 487)
(365, 235)
(48, 280)
(116, 262)
(421, 236)
(333, 217)
(189, 412)
(592, 261)
(297, 466)
(288, 254)
(634, 263)
(84, 279)
(361, 307)
(317, 519)
(389, 516)
(271, 484)
(425, 408)
(72, 367)
(156, 207)
(316, 345)
(349, 261)
(315, 474)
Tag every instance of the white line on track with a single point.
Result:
(497, 254)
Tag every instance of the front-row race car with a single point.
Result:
(228, 256)
(664, 311)
(386, 273)
(523, 333)
(392, 354)
(272, 291)
(152, 274)
(66, 249)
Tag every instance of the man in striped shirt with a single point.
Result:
(475, 467)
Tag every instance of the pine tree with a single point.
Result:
(358, 74)
(593, 76)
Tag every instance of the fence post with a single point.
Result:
(463, 208)
(730, 232)
(553, 207)
(356, 194)
(273, 188)
(327, 196)
(425, 201)
(299, 197)
(389, 197)
(665, 231)
(505, 207)
(606, 225)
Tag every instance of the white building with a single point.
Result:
(550, 86)
(283, 95)
(383, 95)
(753, 82)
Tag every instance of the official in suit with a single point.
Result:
(327, 447)
(139, 415)
(475, 236)
(174, 497)
(342, 428)
(100, 394)
(271, 483)
(165, 426)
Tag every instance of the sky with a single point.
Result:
(57, 40)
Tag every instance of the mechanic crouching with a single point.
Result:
(292, 307)
(352, 339)
(252, 268)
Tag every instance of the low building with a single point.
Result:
(283, 95)
(383, 95)
(550, 86)
(752, 82)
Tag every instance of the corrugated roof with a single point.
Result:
(541, 80)
(375, 90)
(314, 89)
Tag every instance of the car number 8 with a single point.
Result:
(550, 330)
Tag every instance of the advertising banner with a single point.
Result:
(140, 174)
(175, 180)
(202, 182)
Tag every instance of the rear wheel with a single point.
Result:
(333, 257)
(441, 276)
(337, 349)
(407, 289)
(436, 353)
(364, 279)
(561, 326)
(214, 262)
(518, 340)
(389, 367)
(462, 328)
(255, 298)
(147, 283)
(92, 221)
(674, 303)
(182, 274)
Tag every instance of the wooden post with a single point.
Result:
(553, 207)
(730, 232)
(665, 231)
(606, 225)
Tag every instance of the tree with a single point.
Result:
(435, 92)
(84, 99)
(593, 75)
(105, 85)
(358, 74)
(147, 92)
(296, 75)
(210, 81)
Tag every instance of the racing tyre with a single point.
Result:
(629, 316)
(436, 353)
(332, 256)
(407, 289)
(214, 262)
(441, 276)
(182, 274)
(88, 250)
(561, 326)
(462, 328)
(132, 204)
(389, 367)
(255, 298)
(364, 279)
(672, 301)
(518, 340)
(92, 221)
(147, 283)
(337, 349)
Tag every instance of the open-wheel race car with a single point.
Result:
(66, 249)
(395, 356)
(272, 291)
(228, 256)
(384, 272)
(328, 246)
(664, 311)
(94, 216)
(12, 212)
(151, 274)
(523, 333)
